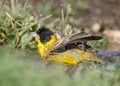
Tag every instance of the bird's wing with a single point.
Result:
(75, 38)
(83, 37)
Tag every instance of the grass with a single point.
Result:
(17, 68)
(15, 24)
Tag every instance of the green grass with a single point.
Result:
(16, 22)
(16, 69)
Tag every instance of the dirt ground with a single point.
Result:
(105, 12)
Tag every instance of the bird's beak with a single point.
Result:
(34, 34)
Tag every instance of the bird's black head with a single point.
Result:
(44, 34)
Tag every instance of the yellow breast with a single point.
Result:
(44, 48)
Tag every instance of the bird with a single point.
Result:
(68, 50)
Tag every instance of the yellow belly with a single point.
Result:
(73, 56)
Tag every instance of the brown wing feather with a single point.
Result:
(83, 37)
(76, 38)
